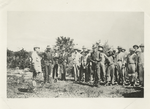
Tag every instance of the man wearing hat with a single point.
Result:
(110, 72)
(131, 66)
(103, 58)
(76, 64)
(55, 68)
(95, 59)
(63, 60)
(36, 62)
(135, 47)
(120, 78)
(48, 61)
(140, 61)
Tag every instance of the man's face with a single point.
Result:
(94, 49)
(37, 50)
(135, 47)
(48, 49)
(142, 49)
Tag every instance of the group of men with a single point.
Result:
(93, 66)
(113, 68)
(49, 63)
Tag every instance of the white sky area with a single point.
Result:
(27, 29)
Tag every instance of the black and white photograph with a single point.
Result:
(75, 54)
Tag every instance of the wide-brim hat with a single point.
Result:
(123, 49)
(119, 47)
(100, 49)
(100, 46)
(94, 46)
(48, 46)
(135, 46)
(83, 47)
(131, 49)
(142, 45)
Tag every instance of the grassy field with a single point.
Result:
(17, 88)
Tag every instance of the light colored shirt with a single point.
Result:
(76, 58)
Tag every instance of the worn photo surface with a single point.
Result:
(75, 54)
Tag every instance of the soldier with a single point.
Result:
(103, 58)
(83, 64)
(95, 59)
(140, 61)
(63, 60)
(48, 62)
(55, 68)
(36, 62)
(110, 75)
(120, 66)
(135, 47)
(131, 66)
(76, 64)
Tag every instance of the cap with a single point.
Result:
(48, 46)
(135, 46)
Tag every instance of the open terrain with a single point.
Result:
(19, 85)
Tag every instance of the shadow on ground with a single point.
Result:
(138, 94)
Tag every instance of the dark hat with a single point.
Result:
(135, 46)
(100, 46)
(48, 46)
(94, 46)
(119, 47)
(142, 45)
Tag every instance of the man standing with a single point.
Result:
(103, 58)
(120, 66)
(140, 61)
(131, 66)
(48, 61)
(63, 60)
(76, 64)
(110, 75)
(55, 68)
(95, 59)
(36, 62)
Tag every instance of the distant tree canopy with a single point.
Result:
(65, 42)
(22, 57)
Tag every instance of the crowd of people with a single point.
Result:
(93, 66)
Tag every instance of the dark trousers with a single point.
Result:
(96, 69)
(63, 71)
(47, 71)
(84, 74)
(55, 71)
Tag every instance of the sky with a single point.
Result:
(28, 29)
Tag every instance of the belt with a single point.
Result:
(119, 60)
(131, 63)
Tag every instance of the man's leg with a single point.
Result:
(75, 73)
(64, 71)
(98, 72)
(102, 66)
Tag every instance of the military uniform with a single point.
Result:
(120, 64)
(131, 66)
(140, 61)
(110, 72)
(63, 60)
(48, 65)
(95, 59)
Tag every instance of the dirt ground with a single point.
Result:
(19, 87)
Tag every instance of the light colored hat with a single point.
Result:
(83, 47)
(100, 49)
(36, 46)
(142, 45)
(131, 49)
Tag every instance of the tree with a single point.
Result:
(66, 43)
